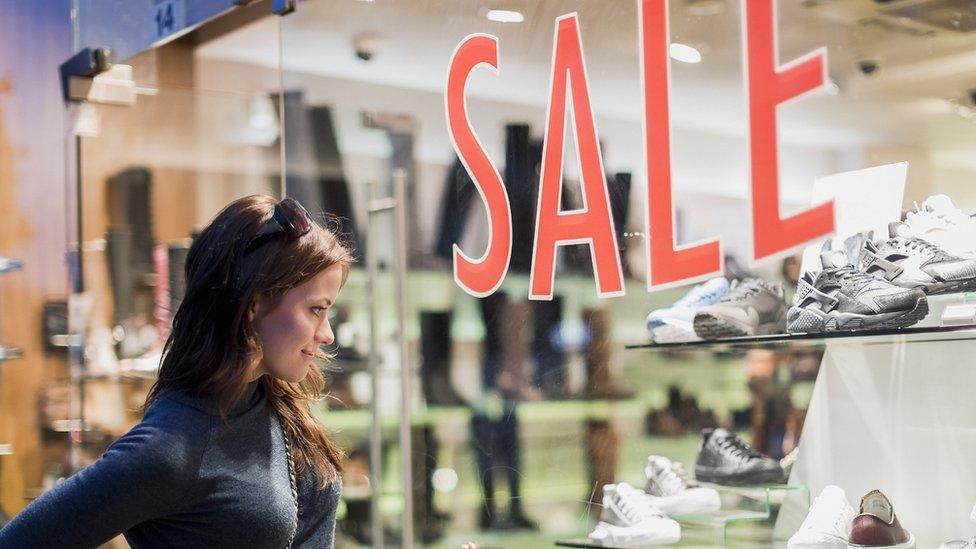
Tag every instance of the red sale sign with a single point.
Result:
(479, 277)
(768, 85)
(591, 225)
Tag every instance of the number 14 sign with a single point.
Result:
(768, 85)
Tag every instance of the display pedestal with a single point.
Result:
(750, 504)
(899, 417)
(740, 505)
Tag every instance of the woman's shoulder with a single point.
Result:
(176, 411)
(170, 435)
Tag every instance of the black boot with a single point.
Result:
(483, 443)
(435, 366)
(550, 371)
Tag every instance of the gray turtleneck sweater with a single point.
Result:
(184, 478)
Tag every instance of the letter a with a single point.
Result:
(592, 224)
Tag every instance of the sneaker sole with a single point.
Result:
(706, 500)
(941, 288)
(802, 320)
(910, 544)
(623, 536)
(673, 333)
(710, 326)
(716, 476)
(827, 542)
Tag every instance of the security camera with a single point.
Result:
(868, 66)
(366, 45)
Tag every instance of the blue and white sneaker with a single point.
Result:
(676, 323)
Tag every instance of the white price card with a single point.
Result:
(864, 200)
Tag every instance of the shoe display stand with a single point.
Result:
(820, 340)
(741, 505)
(948, 319)
(899, 417)
(890, 410)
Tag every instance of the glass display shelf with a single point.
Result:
(820, 340)
(531, 412)
(746, 516)
(950, 317)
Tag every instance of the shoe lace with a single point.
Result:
(745, 289)
(919, 245)
(857, 277)
(671, 481)
(736, 447)
(634, 507)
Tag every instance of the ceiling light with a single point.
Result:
(684, 53)
(705, 7)
(504, 16)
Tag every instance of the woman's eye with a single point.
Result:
(317, 311)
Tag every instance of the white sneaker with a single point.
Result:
(940, 222)
(959, 543)
(675, 323)
(671, 493)
(629, 520)
(908, 261)
(828, 524)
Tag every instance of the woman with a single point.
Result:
(228, 453)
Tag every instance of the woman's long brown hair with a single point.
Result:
(213, 346)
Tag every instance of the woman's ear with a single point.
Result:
(255, 309)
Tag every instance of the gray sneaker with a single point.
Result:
(841, 297)
(752, 307)
(910, 262)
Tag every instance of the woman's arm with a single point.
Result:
(143, 475)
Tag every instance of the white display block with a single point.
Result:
(899, 417)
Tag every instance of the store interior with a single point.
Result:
(523, 410)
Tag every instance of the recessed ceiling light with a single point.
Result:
(684, 53)
(504, 16)
(706, 7)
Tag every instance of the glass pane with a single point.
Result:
(524, 410)
(129, 27)
(151, 174)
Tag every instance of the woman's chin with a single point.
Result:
(297, 378)
(290, 377)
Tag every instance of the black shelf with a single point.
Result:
(819, 340)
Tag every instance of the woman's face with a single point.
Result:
(294, 327)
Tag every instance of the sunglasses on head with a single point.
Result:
(289, 218)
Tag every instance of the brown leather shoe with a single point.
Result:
(877, 526)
